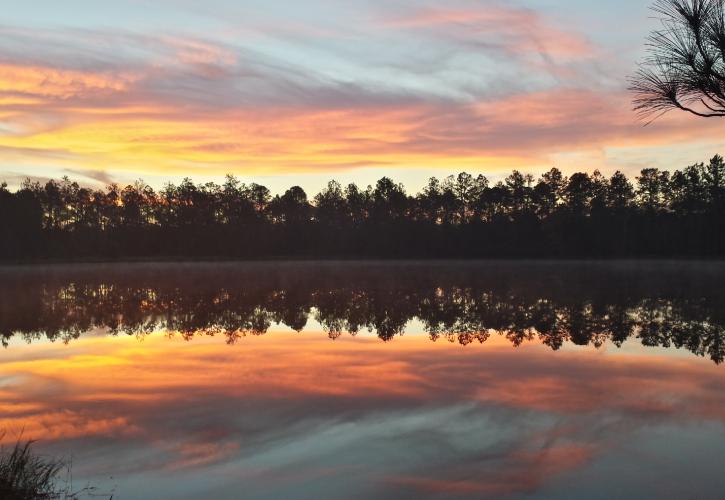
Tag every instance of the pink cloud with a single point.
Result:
(515, 30)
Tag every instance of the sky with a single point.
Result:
(288, 93)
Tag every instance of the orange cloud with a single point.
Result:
(55, 425)
(41, 81)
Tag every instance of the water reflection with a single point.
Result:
(658, 304)
(285, 415)
(300, 417)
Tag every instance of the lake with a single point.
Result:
(350, 380)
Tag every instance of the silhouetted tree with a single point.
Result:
(331, 206)
(389, 200)
(291, 208)
(519, 191)
(686, 65)
(429, 203)
(599, 188)
(466, 191)
(578, 193)
(236, 204)
(688, 194)
(714, 178)
(357, 203)
(652, 189)
(493, 203)
(550, 191)
(260, 198)
(621, 192)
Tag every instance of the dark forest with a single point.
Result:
(657, 214)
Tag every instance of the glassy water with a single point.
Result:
(386, 381)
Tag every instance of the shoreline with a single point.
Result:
(360, 261)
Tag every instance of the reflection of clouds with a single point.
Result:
(201, 454)
(41, 424)
(284, 412)
(518, 472)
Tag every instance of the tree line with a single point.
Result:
(660, 213)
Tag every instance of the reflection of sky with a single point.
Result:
(298, 416)
(298, 92)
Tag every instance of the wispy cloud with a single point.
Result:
(495, 26)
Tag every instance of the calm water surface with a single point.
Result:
(386, 381)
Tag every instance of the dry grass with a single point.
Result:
(25, 475)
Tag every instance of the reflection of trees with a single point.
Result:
(555, 306)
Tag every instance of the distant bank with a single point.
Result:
(662, 214)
